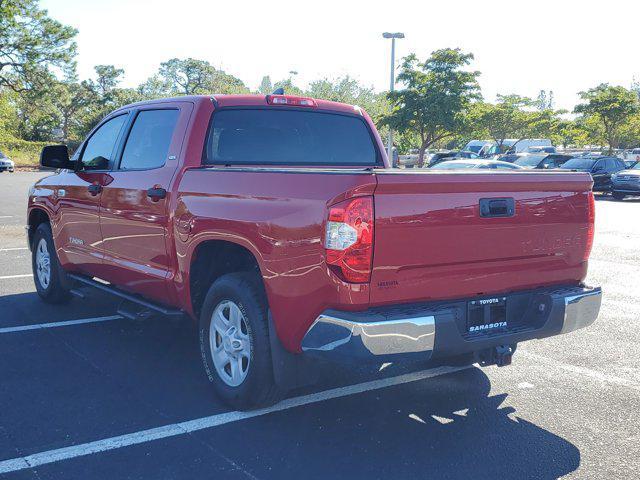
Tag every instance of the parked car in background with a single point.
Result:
(542, 161)
(600, 168)
(6, 164)
(513, 145)
(440, 157)
(633, 155)
(482, 164)
(466, 154)
(482, 148)
(630, 163)
(626, 183)
(546, 149)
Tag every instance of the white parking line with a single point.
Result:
(6, 216)
(66, 323)
(14, 249)
(183, 428)
(8, 277)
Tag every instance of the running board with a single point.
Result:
(110, 289)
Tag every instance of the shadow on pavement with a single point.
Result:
(445, 427)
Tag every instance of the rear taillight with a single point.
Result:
(349, 239)
(590, 227)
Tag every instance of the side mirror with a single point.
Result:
(55, 156)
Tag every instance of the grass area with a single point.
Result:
(23, 153)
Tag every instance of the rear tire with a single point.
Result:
(47, 272)
(618, 196)
(234, 342)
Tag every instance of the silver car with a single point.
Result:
(6, 164)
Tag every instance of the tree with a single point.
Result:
(630, 133)
(266, 87)
(31, 43)
(191, 77)
(568, 132)
(349, 90)
(436, 95)
(612, 107)
(288, 86)
(71, 100)
(108, 78)
(545, 100)
(187, 76)
(510, 119)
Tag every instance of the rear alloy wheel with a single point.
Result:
(230, 343)
(47, 272)
(234, 342)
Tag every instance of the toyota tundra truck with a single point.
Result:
(278, 225)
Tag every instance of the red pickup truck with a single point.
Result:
(277, 224)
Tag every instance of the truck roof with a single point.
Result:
(246, 100)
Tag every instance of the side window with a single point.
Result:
(599, 165)
(98, 153)
(149, 140)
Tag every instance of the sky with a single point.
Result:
(519, 46)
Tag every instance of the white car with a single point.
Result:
(6, 164)
(481, 164)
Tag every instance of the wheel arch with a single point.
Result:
(213, 258)
(37, 216)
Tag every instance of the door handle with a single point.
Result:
(94, 189)
(156, 193)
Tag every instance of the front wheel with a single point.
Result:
(234, 342)
(47, 272)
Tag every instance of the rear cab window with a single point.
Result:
(272, 136)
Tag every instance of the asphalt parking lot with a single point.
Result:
(107, 397)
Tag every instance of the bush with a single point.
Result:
(22, 152)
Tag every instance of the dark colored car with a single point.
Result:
(600, 168)
(542, 160)
(626, 183)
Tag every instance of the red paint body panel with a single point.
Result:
(430, 242)
(278, 216)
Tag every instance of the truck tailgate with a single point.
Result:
(431, 241)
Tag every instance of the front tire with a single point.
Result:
(47, 272)
(234, 342)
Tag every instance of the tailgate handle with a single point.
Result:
(497, 207)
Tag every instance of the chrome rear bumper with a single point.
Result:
(439, 329)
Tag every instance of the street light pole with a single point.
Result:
(393, 37)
